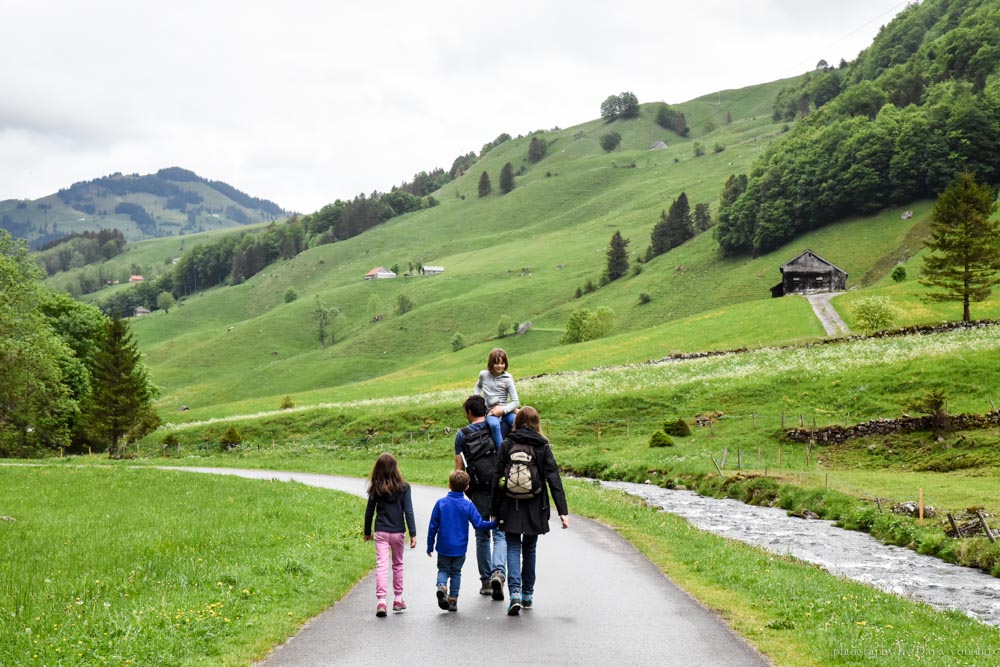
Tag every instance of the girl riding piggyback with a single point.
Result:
(496, 386)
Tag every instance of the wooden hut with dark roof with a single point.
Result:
(808, 274)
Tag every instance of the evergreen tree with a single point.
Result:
(964, 257)
(617, 256)
(120, 401)
(702, 217)
(506, 178)
(673, 229)
(485, 187)
(536, 149)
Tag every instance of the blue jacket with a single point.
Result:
(450, 521)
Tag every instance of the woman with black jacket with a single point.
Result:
(527, 473)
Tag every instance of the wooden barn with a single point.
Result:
(808, 274)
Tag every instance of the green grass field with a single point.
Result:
(121, 566)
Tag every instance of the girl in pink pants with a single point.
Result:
(389, 503)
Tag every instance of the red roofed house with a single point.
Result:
(379, 272)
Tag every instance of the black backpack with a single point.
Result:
(480, 455)
(523, 477)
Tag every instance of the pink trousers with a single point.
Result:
(384, 544)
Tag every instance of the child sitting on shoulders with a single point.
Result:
(496, 386)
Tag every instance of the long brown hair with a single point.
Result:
(386, 478)
(527, 417)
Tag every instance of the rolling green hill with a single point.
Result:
(171, 202)
(522, 255)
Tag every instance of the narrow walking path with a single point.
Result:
(597, 601)
(827, 314)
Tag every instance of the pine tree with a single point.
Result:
(485, 187)
(964, 257)
(674, 228)
(506, 178)
(121, 392)
(617, 256)
(702, 217)
(536, 149)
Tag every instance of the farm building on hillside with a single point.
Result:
(379, 272)
(140, 311)
(432, 270)
(135, 279)
(809, 273)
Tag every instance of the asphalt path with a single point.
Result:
(597, 601)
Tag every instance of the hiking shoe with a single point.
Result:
(526, 601)
(380, 610)
(514, 608)
(496, 583)
(398, 605)
(452, 604)
(442, 594)
(485, 588)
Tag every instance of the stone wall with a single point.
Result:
(836, 434)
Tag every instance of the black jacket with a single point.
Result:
(528, 516)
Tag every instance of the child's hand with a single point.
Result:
(428, 554)
(565, 520)
(413, 542)
(368, 538)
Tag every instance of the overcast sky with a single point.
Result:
(306, 101)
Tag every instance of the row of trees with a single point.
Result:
(79, 249)
(920, 105)
(858, 165)
(72, 378)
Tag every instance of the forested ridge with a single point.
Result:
(893, 126)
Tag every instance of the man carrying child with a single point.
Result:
(475, 452)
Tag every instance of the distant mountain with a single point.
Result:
(171, 202)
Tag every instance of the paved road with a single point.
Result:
(597, 601)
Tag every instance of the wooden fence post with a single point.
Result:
(721, 474)
(986, 526)
(954, 526)
(920, 502)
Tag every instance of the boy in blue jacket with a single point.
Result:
(450, 521)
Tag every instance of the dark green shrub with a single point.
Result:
(678, 428)
(287, 403)
(660, 439)
(231, 438)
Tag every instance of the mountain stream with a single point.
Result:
(846, 553)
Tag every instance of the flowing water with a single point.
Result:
(845, 553)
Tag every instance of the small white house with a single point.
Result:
(379, 272)
(432, 270)
(140, 311)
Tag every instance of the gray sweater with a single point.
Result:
(497, 390)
